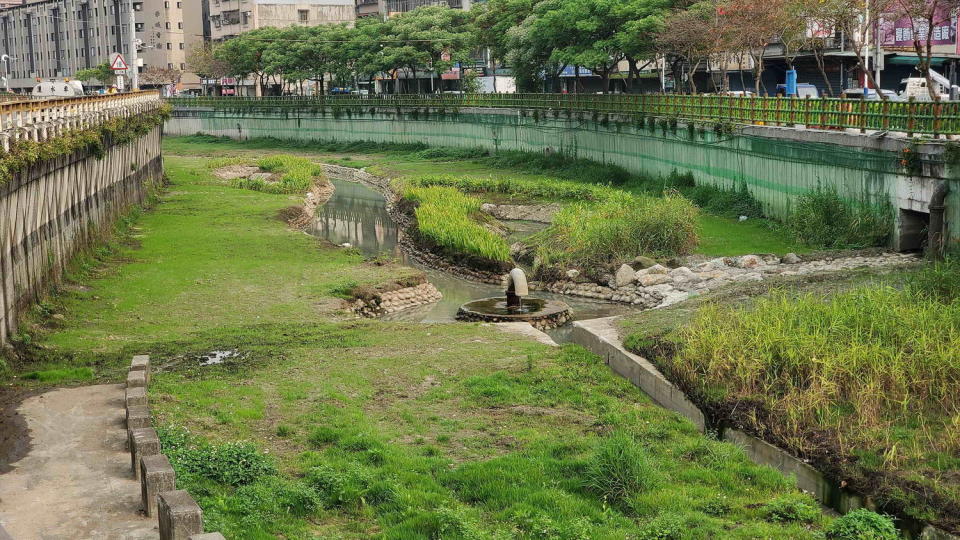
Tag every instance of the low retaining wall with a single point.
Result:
(53, 209)
(389, 302)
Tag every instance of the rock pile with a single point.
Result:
(659, 286)
(391, 302)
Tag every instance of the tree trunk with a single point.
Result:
(818, 55)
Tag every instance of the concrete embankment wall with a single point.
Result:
(55, 208)
(775, 164)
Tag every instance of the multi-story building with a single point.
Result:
(52, 39)
(387, 8)
(230, 18)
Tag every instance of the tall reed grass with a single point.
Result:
(452, 222)
(620, 227)
(520, 187)
(821, 218)
(871, 373)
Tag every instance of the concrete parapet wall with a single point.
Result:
(52, 210)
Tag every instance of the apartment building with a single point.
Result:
(52, 39)
(230, 18)
(388, 8)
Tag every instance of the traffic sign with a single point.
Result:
(117, 62)
(120, 85)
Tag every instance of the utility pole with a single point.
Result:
(133, 68)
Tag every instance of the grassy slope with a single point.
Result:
(476, 433)
(719, 236)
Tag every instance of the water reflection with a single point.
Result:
(357, 214)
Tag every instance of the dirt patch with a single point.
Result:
(232, 172)
(14, 435)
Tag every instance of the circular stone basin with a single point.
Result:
(542, 314)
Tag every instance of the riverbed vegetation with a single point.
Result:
(320, 427)
(452, 222)
(294, 174)
(597, 235)
(533, 176)
(863, 381)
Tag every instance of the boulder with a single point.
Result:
(655, 269)
(573, 273)
(648, 280)
(625, 275)
(642, 262)
(684, 275)
(790, 258)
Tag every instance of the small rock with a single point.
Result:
(573, 273)
(346, 245)
(58, 316)
(642, 262)
(790, 258)
(648, 280)
(748, 261)
(743, 218)
(625, 275)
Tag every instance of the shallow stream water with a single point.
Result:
(358, 215)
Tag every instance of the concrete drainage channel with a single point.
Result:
(600, 336)
(178, 515)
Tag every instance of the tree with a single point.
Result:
(243, 55)
(161, 75)
(431, 37)
(690, 37)
(925, 17)
(642, 21)
(101, 73)
(856, 19)
(492, 23)
(202, 60)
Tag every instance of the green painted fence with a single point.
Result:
(911, 117)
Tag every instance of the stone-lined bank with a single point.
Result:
(385, 303)
(658, 286)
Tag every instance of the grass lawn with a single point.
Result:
(320, 427)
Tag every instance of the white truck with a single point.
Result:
(57, 89)
(916, 88)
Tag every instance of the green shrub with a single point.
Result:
(231, 463)
(619, 469)
(323, 435)
(275, 497)
(862, 524)
(822, 219)
(450, 220)
(793, 507)
(619, 228)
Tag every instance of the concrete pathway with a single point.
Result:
(75, 481)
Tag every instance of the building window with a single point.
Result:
(304, 15)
